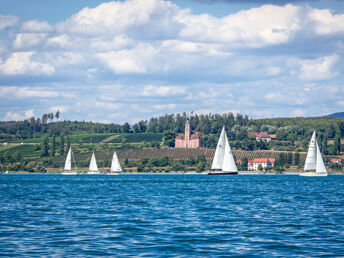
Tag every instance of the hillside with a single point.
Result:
(337, 115)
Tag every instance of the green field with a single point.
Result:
(26, 150)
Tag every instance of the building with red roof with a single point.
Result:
(254, 164)
(338, 161)
(263, 136)
(188, 140)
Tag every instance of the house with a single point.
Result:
(338, 161)
(263, 136)
(188, 140)
(254, 164)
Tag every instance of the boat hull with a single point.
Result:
(69, 173)
(312, 174)
(113, 174)
(222, 173)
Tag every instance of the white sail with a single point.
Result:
(320, 166)
(312, 154)
(115, 165)
(220, 151)
(68, 163)
(228, 161)
(93, 164)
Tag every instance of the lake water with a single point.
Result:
(171, 215)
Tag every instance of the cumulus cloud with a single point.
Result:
(20, 63)
(26, 92)
(36, 26)
(163, 91)
(8, 21)
(13, 116)
(140, 51)
(322, 68)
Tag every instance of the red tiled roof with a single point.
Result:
(263, 135)
(261, 160)
(339, 160)
(180, 137)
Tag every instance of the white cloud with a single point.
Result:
(322, 68)
(28, 40)
(26, 92)
(62, 109)
(8, 21)
(13, 116)
(250, 27)
(326, 22)
(298, 112)
(37, 26)
(162, 91)
(20, 63)
(165, 107)
(108, 105)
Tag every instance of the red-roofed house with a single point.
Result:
(338, 161)
(188, 140)
(253, 164)
(263, 136)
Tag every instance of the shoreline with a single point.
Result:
(172, 173)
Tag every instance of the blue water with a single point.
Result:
(171, 215)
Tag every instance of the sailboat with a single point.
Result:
(314, 160)
(68, 165)
(93, 169)
(223, 162)
(115, 165)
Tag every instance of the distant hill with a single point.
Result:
(337, 115)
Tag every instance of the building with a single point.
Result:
(263, 136)
(338, 161)
(254, 164)
(188, 140)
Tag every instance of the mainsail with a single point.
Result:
(312, 154)
(115, 165)
(320, 166)
(68, 163)
(314, 160)
(93, 164)
(223, 158)
(228, 161)
(220, 151)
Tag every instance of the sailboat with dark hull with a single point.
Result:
(314, 164)
(68, 165)
(223, 162)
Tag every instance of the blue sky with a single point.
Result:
(117, 61)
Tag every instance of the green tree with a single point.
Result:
(244, 164)
(61, 144)
(296, 158)
(68, 143)
(125, 128)
(45, 147)
(17, 156)
(169, 138)
(260, 167)
(53, 145)
(336, 146)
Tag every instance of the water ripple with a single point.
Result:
(171, 215)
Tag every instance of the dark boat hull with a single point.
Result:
(222, 173)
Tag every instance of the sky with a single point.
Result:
(124, 61)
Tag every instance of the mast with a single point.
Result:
(93, 164)
(320, 166)
(68, 163)
(228, 161)
(115, 165)
(312, 154)
(220, 151)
